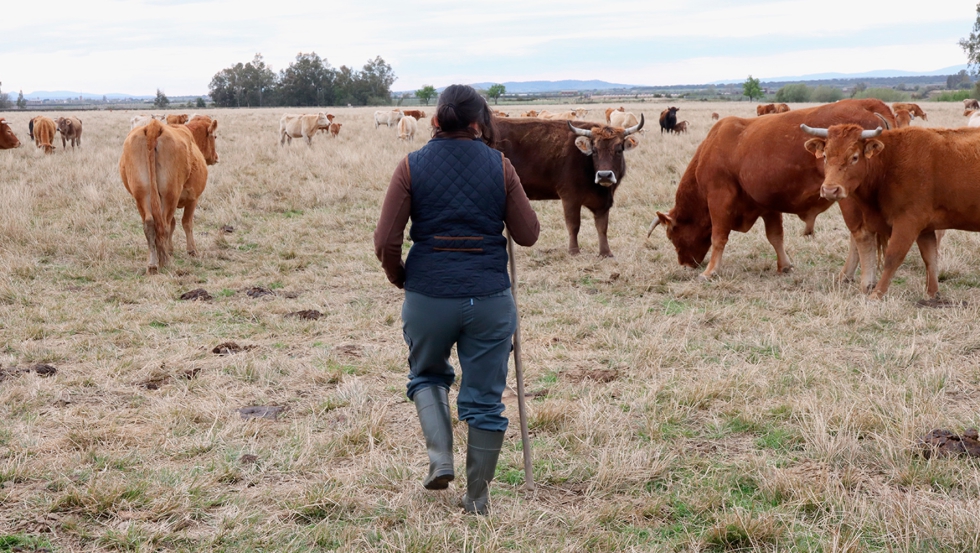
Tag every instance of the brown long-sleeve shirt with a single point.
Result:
(519, 217)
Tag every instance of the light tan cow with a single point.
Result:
(166, 168)
(388, 118)
(562, 115)
(530, 113)
(623, 119)
(177, 119)
(610, 110)
(407, 127)
(301, 126)
(43, 129)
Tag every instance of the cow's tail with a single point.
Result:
(881, 244)
(158, 227)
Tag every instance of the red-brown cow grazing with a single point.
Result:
(416, 113)
(7, 138)
(165, 168)
(43, 129)
(765, 109)
(577, 162)
(907, 183)
(751, 168)
(70, 129)
(782, 108)
(914, 109)
(903, 118)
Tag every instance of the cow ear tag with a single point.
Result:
(815, 146)
(584, 145)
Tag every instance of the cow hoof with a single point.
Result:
(151, 270)
(786, 270)
(704, 278)
(192, 253)
(607, 254)
(875, 295)
(573, 251)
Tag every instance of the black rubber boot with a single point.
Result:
(432, 405)
(482, 451)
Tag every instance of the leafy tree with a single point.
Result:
(308, 81)
(959, 80)
(971, 47)
(426, 93)
(752, 88)
(4, 100)
(859, 89)
(496, 91)
(378, 77)
(798, 92)
(21, 102)
(200, 104)
(161, 101)
(826, 94)
(249, 84)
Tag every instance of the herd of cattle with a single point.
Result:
(896, 184)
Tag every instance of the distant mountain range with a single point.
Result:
(879, 74)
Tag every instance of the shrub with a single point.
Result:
(798, 92)
(884, 94)
(826, 94)
(957, 96)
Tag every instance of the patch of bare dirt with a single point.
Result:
(227, 229)
(943, 443)
(258, 292)
(307, 314)
(41, 369)
(229, 348)
(269, 412)
(199, 294)
(248, 459)
(350, 350)
(595, 375)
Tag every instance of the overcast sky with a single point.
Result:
(137, 46)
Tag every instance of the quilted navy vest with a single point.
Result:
(458, 205)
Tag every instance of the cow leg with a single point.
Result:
(846, 273)
(601, 227)
(187, 221)
(898, 247)
(774, 233)
(929, 248)
(867, 253)
(719, 238)
(152, 260)
(573, 220)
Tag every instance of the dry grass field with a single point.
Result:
(753, 412)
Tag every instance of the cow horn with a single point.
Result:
(578, 131)
(870, 134)
(888, 126)
(634, 128)
(822, 133)
(653, 225)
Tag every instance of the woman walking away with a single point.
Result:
(459, 194)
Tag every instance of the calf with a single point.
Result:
(335, 129)
(680, 127)
(908, 183)
(177, 119)
(765, 109)
(71, 131)
(715, 116)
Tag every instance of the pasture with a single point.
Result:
(756, 411)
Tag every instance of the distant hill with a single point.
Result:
(879, 74)
(538, 87)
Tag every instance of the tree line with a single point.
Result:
(308, 81)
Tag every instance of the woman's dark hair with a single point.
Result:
(460, 105)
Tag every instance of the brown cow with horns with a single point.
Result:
(577, 162)
(751, 168)
(908, 184)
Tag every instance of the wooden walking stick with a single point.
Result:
(519, 370)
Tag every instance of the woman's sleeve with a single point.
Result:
(521, 220)
(390, 234)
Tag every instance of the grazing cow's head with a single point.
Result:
(7, 138)
(844, 150)
(691, 238)
(606, 145)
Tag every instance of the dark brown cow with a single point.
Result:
(668, 118)
(751, 168)
(43, 129)
(908, 184)
(914, 109)
(577, 162)
(7, 138)
(971, 103)
(70, 129)
(765, 109)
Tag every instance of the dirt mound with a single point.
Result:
(943, 443)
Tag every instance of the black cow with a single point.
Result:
(668, 119)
